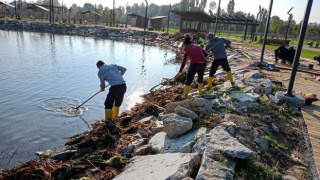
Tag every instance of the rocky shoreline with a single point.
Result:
(246, 131)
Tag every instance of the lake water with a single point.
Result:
(39, 70)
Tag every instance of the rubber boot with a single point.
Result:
(115, 111)
(108, 114)
(186, 91)
(230, 78)
(200, 88)
(210, 81)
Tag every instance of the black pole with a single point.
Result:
(290, 17)
(299, 47)
(218, 12)
(255, 26)
(168, 18)
(50, 11)
(62, 11)
(113, 15)
(266, 31)
(145, 20)
(15, 8)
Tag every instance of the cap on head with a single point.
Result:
(210, 36)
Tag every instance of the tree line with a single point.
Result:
(278, 26)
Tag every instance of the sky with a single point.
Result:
(280, 7)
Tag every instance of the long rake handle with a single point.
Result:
(89, 98)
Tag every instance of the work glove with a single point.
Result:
(101, 89)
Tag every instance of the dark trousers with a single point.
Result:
(194, 68)
(115, 96)
(219, 62)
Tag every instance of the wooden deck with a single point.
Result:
(311, 115)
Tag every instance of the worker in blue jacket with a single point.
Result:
(113, 75)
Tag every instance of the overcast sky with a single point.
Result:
(280, 7)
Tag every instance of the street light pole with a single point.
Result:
(169, 18)
(127, 14)
(266, 31)
(145, 19)
(218, 12)
(254, 31)
(290, 18)
(299, 47)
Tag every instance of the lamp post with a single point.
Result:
(145, 19)
(218, 12)
(169, 18)
(299, 47)
(113, 15)
(266, 31)
(15, 8)
(290, 18)
(126, 14)
(254, 31)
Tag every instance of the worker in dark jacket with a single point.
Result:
(317, 58)
(197, 64)
(285, 54)
(113, 75)
(218, 48)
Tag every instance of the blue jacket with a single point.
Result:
(112, 74)
(218, 47)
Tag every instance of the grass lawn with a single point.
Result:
(305, 53)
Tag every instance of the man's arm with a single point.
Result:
(122, 70)
(227, 42)
(102, 83)
(185, 55)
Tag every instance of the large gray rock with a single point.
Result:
(175, 125)
(197, 105)
(220, 140)
(295, 100)
(216, 166)
(243, 97)
(185, 112)
(260, 85)
(162, 144)
(171, 166)
(170, 107)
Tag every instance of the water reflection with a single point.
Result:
(38, 66)
(142, 60)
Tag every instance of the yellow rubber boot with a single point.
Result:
(210, 81)
(186, 91)
(200, 88)
(230, 78)
(115, 111)
(108, 114)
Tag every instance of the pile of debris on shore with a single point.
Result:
(246, 131)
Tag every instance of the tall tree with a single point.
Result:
(230, 8)
(88, 7)
(212, 6)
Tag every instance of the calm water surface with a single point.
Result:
(37, 68)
